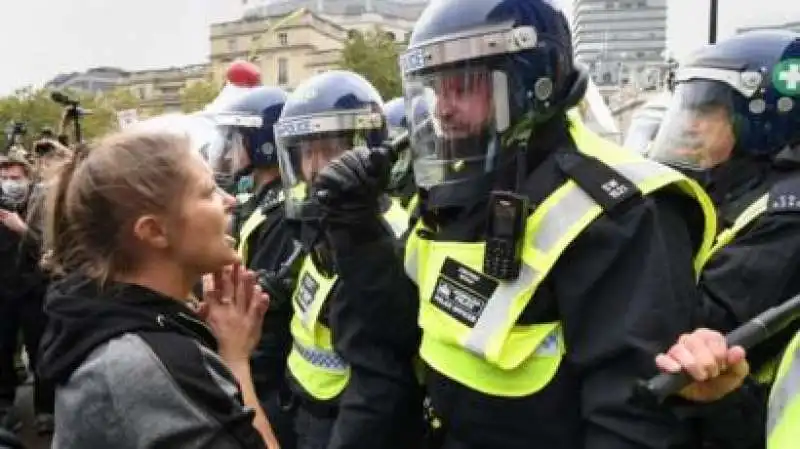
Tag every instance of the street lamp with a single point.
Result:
(712, 21)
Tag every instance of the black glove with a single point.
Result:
(351, 184)
(347, 191)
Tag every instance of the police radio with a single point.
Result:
(505, 229)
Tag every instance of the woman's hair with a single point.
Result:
(99, 194)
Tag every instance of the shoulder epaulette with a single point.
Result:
(784, 196)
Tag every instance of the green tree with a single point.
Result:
(37, 110)
(120, 99)
(197, 95)
(374, 56)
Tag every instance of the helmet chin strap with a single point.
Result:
(577, 90)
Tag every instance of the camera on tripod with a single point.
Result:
(15, 131)
(18, 129)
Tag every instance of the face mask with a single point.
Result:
(14, 192)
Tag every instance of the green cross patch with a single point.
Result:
(786, 77)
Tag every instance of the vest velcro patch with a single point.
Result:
(784, 196)
(306, 291)
(272, 199)
(604, 184)
(462, 292)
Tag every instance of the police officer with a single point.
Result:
(324, 117)
(265, 239)
(548, 264)
(734, 124)
(401, 184)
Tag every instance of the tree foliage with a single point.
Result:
(198, 94)
(121, 99)
(37, 110)
(374, 56)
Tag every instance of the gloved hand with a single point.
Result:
(348, 191)
(354, 180)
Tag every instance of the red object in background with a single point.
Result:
(243, 74)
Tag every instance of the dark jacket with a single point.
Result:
(757, 270)
(20, 253)
(136, 369)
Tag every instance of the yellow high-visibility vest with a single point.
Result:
(783, 413)
(469, 319)
(313, 362)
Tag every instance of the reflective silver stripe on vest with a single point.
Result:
(327, 360)
(495, 314)
(554, 226)
(785, 390)
(576, 203)
(398, 227)
(412, 264)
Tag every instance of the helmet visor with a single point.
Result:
(228, 157)
(698, 131)
(306, 145)
(455, 118)
(641, 134)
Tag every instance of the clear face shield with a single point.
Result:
(641, 133)
(217, 145)
(698, 131)
(402, 167)
(227, 153)
(458, 139)
(306, 145)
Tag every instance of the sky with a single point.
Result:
(687, 23)
(42, 38)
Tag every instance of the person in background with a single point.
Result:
(132, 225)
(22, 289)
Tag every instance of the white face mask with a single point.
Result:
(14, 192)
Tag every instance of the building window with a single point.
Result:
(142, 93)
(391, 36)
(231, 44)
(283, 39)
(283, 71)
